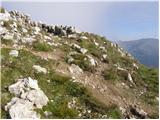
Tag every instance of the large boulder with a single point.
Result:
(37, 97)
(23, 85)
(20, 108)
(28, 97)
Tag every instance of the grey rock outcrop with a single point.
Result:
(28, 97)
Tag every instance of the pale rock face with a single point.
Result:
(13, 101)
(20, 86)
(5, 16)
(8, 37)
(70, 60)
(3, 30)
(28, 40)
(47, 37)
(29, 97)
(76, 46)
(123, 110)
(96, 43)
(136, 66)
(122, 69)
(17, 88)
(83, 37)
(104, 56)
(157, 98)
(75, 70)
(37, 97)
(130, 78)
(22, 109)
(32, 83)
(121, 52)
(24, 30)
(73, 36)
(13, 53)
(92, 61)
(37, 30)
(40, 69)
(102, 48)
(83, 50)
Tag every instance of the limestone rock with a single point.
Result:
(5, 16)
(22, 109)
(23, 85)
(83, 37)
(72, 36)
(130, 78)
(75, 70)
(27, 40)
(92, 61)
(28, 97)
(37, 97)
(3, 30)
(83, 50)
(104, 56)
(31, 83)
(13, 53)
(40, 69)
(8, 37)
(135, 65)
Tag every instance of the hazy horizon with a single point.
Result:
(117, 21)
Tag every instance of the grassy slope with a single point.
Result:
(60, 89)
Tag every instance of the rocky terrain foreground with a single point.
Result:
(52, 71)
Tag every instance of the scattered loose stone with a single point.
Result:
(13, 53)
(40, 69)
(83, 37)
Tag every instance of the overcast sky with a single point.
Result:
(115, 20)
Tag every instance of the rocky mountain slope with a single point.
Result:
(57, 72)
(145, 50)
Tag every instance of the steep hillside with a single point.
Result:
(58, 72)
(144, 50)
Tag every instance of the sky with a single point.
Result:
(115, 20)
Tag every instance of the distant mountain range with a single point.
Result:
(145, 50)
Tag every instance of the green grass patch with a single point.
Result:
(42, 46)
(7, 41)
(110, 74)
(2, 10)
